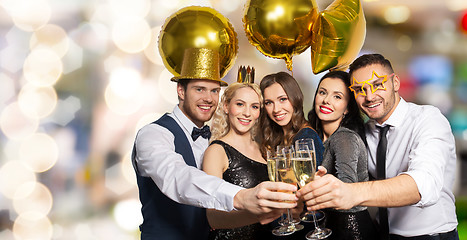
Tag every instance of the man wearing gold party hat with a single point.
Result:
(167, 155)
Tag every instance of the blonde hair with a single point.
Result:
(220, 125)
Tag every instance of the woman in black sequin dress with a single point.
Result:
(336, 118)
(234, 155)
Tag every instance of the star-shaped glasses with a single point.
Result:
(376, 82)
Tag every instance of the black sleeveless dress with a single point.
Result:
(247, 173)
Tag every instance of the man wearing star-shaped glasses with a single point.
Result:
(416, 167)
(375, 95)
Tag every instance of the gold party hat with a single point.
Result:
(200, 63)
(246, 74)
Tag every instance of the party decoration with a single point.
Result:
(197, 27)
(371, 82)
(278, 28)
(246, 74)
(337, 35)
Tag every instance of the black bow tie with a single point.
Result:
(203, 132)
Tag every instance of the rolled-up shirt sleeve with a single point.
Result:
(156, 158)
(429, 157)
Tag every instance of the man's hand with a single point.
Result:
(327, 192)
(266, 199)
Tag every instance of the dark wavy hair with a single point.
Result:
(352, 120)
(370, 59)
(273, 135)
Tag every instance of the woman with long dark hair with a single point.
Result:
(338, 121)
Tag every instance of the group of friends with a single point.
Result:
(197, 182)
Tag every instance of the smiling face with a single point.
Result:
(277, 104)
(243, 110)
(331, 100)
(378, 101)
(199, 101)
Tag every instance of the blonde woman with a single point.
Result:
(234, 155)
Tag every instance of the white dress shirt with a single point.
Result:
(156, 158)
(420, 144)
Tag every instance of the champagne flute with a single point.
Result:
(309, 216)
(304, 166)
(286, 175)
(283, 151)
(272, 173)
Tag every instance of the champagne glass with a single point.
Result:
(282, 230)
(283, 151)
(304, 166)
(309, 216)
(286, 174)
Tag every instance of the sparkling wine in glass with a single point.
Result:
(273, 176)
(304, 166)
(286, 174)
(271, 162)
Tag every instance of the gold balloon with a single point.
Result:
(278, 28)
(197, 27)
(338, 35)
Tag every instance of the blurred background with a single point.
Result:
(78, 78)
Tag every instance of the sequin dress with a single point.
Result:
(244, 172)
(345, 157)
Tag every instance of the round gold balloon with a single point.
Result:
(338, 36)
(197, 27)
(278, 28)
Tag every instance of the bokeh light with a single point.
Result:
(122, 93)
(15, 50)
(127, 169)
(32, 225)
(93, 36)
(52, 37)
(116, 181)
(136, 8)
(131, 34)
(39, 152)
(456, 5)
(146, 119)
(152, 50)
(33, 197)
(73, 59)
(13, 174)
(126, 214)
(167, 88)
(66, 110)
(397, 14)
(43, 67)
(227, 5)
(37, 102)
(125, 82)
(15, 124)
(7, 91)
(404, 43)
(28, 15)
